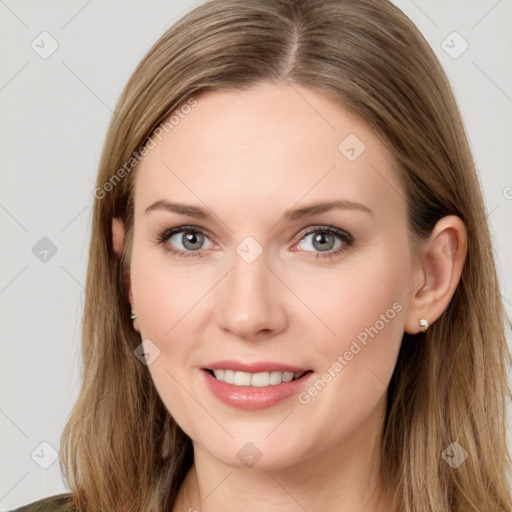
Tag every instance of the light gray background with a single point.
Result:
(55, 112)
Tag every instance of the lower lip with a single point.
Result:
(252, 398)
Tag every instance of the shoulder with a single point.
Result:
(57, 503)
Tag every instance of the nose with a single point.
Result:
(252, 302)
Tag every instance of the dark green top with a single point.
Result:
(51, 504)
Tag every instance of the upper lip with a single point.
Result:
(254, 367)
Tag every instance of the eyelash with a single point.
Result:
(346, 238)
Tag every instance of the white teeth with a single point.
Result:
(242, 379)
(219, 374)
(276, 378)
(258, 380)
(287, 376)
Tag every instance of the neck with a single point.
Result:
(345, 478)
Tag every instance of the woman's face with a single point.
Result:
(263, 285)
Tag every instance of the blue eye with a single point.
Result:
(327, 240)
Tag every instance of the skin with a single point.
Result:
(247, 157)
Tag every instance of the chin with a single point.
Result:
(266, 454)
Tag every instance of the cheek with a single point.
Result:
(362, 311)
(365, 310)
(165, 299)
(164, 293)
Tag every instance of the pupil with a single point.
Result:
(321, 239)
(192, 240)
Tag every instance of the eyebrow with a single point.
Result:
(290, 215)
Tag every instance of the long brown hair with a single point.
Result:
(121, 450)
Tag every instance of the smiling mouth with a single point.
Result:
(257, 380)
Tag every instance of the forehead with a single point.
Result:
(242, 151)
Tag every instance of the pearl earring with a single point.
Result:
(133, 316)
(423, 323)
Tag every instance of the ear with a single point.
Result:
(118, 243)
(437, 272)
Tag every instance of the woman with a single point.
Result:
(292, 302)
